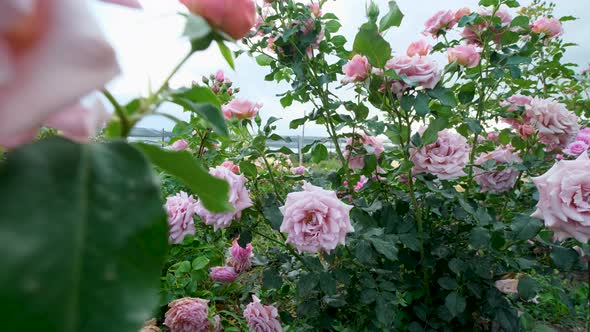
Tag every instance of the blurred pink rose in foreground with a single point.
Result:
(420, 47)
(241, 109)
(53, 44)
(262, 318)
(180, 209)
(240, 258)
(371, 144)
(238, 198)
(356, 69)
(497, 181)
(421, 70)
(465, 55)
(549, 26)
(235, 17)
(223, 274)
(127, 3)
(179, 145)
(564, 198)
(315, 219)
(188, 314)
(507, 286)
(444, 158)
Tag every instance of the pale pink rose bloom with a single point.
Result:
(180, 209)
(584, 137)
(465, 55)
(585, 131)
(420, 47)
(493, 136)
(361, 183)
(497, 181)
(559, 156)
(188, 314)
(564, 198)
(238, 198)
(356, 69)
(471, 34)
(51, 54)
(514, 103)
(240, 258)
(315, 9)
(371, 144)
(128, 3)
(315, 219)
(179, 145)
(241, 109)
(444, 158)
(231, 166)
(576, 148)
(81, 121)
(235, 17)
(507, 286)
(555, 124)
(299, 170)
(223, 274)
(262, 318)
(440, 22)
(551, 27)
(220, 76)
(422, 70)
(462, 12)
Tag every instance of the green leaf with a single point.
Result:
(200, 263)
(248, 169)
(421, 104)
(517, 60)
(447, 283)
(196, 27)
(479, 237)
(271, 279)
(208, 111)
(444, 95)
(263, 60)
(79, 224)
(307, 283)
(385, 311)
(273, 214)
(228, 55)
(181, 164)
(474, 125)
(392, 18)
(528, 288)
(319, 153)
(332, 26)
(369, 42)
(524, 227)
(430, 135)
(564, 258)
(287, 100)
(455, 303)
(385, 248)
(520, 21)
(198, 94)
(487, 3)
(327, 283)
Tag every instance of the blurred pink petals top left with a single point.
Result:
(126, 3)
(51, 54)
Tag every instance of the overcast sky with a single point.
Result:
(149, 45)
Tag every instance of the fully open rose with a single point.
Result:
(444, 158)
(188, 314)
(262, 318)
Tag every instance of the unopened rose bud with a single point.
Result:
(205, 80)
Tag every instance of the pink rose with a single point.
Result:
(497, 181)
(179, 145)
(576, 148)
(462, 12)
(422, 70)
(444, 158)
(262, 318)
(556, 125)
(371, 144)
(551, 27)
(315, 219)
(439, 23)
(128, 3)
(220, 76)
(52, 53)
(356, 70)
(420, 47)
(525, 130)
(315, 9)
(361, 183)
(583, 136)
(564, 198)
(514, 103)
(471, 34)
(180, 209)
(240, 258)
(188, 314)
(507, 286)
(299, 170)
(465, 55)
(241, 109)
(223, 274)
(238, 198)
(493, 136)
(231, 166)
(235, 17)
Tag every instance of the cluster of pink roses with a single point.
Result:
(239, 260)
(315, 219)
(238, 198)
(445, 158)
(220, 84)
(442, 21)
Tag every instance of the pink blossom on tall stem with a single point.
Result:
(241, 109)
(315, 219)
(439, 23)
(234, 17)
(419, 47)
(262, 318)
(421, 70)
(188, 314)
(180, 209)
(355, 158)
(29, 63)
(564, 198)
(238, 198)
(224, 274)
(356, 70)
(179, 145)
(551, 27)
(465, 55)
(444, 158)
(240, 258)
(494, 180)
